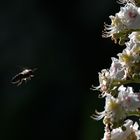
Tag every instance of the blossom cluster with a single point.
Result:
(121, 100)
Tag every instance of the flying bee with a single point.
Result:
(25, 75)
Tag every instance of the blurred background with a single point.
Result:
(63, 40)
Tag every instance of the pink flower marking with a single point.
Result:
(132, 15)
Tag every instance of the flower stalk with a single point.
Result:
(121, 100)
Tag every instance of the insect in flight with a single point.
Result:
(25, 75)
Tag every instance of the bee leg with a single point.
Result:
(29, 78)
(32, 76)
(19, 83)
(15, 82)
(25, 79)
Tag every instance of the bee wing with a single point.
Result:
(16, 78)
(34, 69)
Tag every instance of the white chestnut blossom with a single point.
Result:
(135, 37)
(116, 27)
(131, 132)
(129, 100)
(130, 56)
(127, 18)
(130, 16)
(114, 111)
(126, 1)
(117, 70)
(113, 76)
(117, 109)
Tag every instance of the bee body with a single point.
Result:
(25, 75)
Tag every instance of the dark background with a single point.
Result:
(63, 40)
